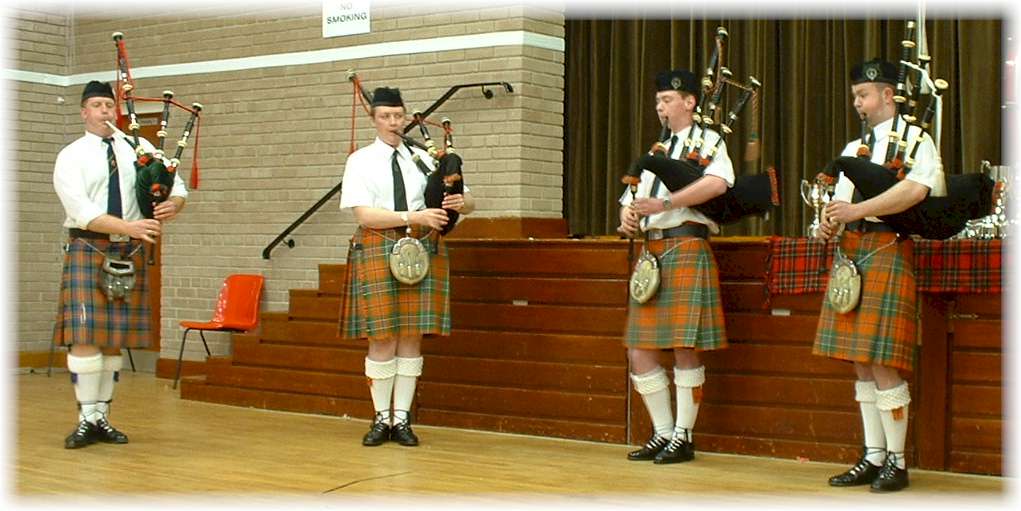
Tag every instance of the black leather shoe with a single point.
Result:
(107, 433)
(402, 434)
(84, 435)
(378, 433)
(651, 448)
(677, 451)
(890, 477)
(862, 473)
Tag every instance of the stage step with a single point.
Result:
(534, 350)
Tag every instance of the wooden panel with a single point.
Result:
(783, 448)
(351, 386)
(974, 367)
(976, 463)
(304, 403)
(508, 227)
(606, 350)
(526, 375)
(764, 327)
(594, 431)
(167, 368)
(590, 407)
(788, 423)
(539, 318)
(540, 291)
(810, 303)
(977, 400)
(744, 296)
(742, 261)
(779, 390)
(42, 359)
(985, 305)
(977, 333)
(310, 304)
(932, 376)
(309, 332)
(331, 278)
(254, 353)
(589, 259)
(774, 360)
(976, 435)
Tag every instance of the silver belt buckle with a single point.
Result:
(120, 238)
(654, 234)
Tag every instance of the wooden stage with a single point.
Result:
(535, 349)
(181, 447)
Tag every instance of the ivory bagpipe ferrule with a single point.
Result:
(429, 144)
(707, 119)
(907, 44)
(726, 128)
(183, 142)
(164, 119)
(930, 111)
(448, 137)
(126, 88)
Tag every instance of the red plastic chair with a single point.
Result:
(237, 310)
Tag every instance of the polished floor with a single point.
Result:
(186, 448)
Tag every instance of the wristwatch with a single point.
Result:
(667, 205)
(404, 218)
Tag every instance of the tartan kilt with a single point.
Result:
(85, 315)
(883, 328)
(377, 306)
(686, 311)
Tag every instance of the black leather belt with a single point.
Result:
(876, 227)
(693, 229)
(93, 235)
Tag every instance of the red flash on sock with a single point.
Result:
(696, 394)
(897, 413)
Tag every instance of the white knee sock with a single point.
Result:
(86, 373)
(893, 409)
(381, 385)
(689, 394)
(111, 373)
(654, 389)
(408, 371)
(875, 439)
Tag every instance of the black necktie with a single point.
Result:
(872, 139)
(400, 196)
(113, 194)
(657, 182)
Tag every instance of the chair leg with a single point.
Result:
(49, 363)
(201, 334)
(131, 359)
(180, 355)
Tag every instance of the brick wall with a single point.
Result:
(37, 41)
(274, 139)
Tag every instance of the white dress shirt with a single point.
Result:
(81, 179)
(926, 171)
(721, 166)
(368, 177)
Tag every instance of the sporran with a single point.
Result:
(117, 278)
(409, 260)
(844, 289)
(645, 277)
